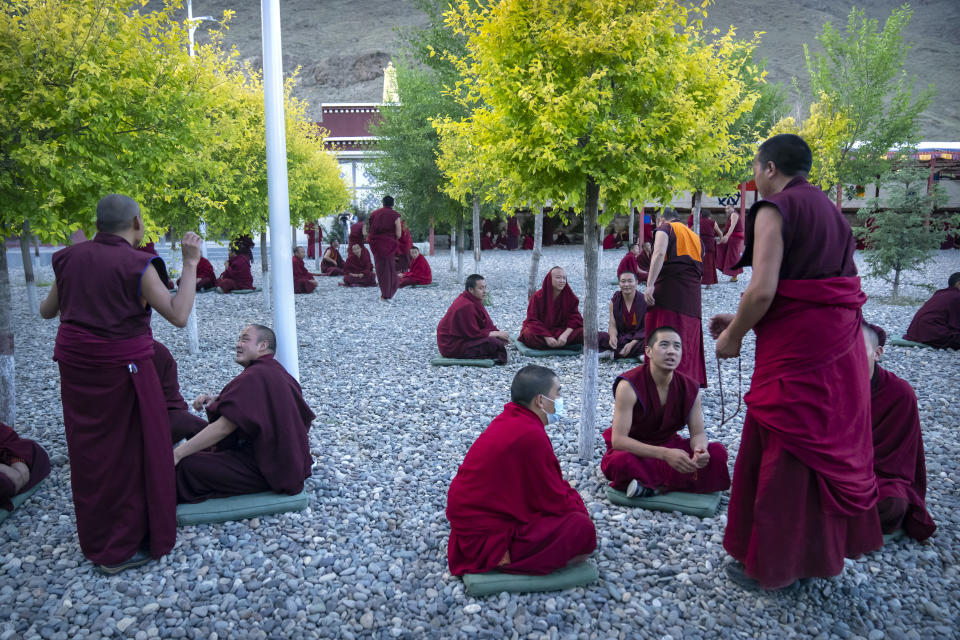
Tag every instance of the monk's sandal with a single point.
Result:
(637, 490)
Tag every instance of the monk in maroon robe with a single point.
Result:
(358, 269)
(625, 330)
(303, 280)
(486, 237)
(332, 262)
(236, 273)
(527, 242)
(419, 272)
(403, 249)
(630, 263)
(312, 229)
(643, 260)
(513, 233)
(183, 424)
(466, 330)
(646, 454)
(206, 276)
(804, 491)
(385, 231)
(610, 241)
(509, 507)
(673, 291)
(117, 429)
(709, 232)
(553, 315)
(358, 232)
(937, 322)
(730, 245)
(23, 465)
(265, 409)
(898, 457)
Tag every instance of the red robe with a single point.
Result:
(630, 263)
(332, 269)
(709, 241)
(270, 452)
(728, 253)
(419, 273)
(117, 430)
(898, 458)
(303, 281)
(629, 323)
(937, 322)
(509, 495)
(549, 316)
(206, 276)
(13, 448)
(464, 331)
(513, 233)
(183, 424)
(528, 242)
(237, 274)
(356, 234)
(362, 265)
(610, 242)
(659, 425)
(383, 243)
(486, 242)
(312, 230)
(404, 244)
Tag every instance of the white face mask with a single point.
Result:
(557, 410)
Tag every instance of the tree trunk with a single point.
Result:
(460, 232)
(8, 396)
(896, 284)
(630, 224)
(588, 404)
(265, 269)
(318, 256)
(431, 239)
(453, 248)
(839, 198)
(293, 237)
(697, 200)
(537, 252)
(476, 235)
(32, 302)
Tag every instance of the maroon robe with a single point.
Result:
(629, 322)
(528, 242)
(898, 457)
(658, 425)
(13, 448)
(631, 263)
(356, 234)
(549, 316)
(709, 241)
(117, 430)
(677, 300)
(549, 224)
(303, 280)
(509, 495)
(728, 253)
(383, 243)
(206, 276)
(464, 331)
(804, 491)
(312, 230)
(331, 269)
(404, 244)
(419, 273)
(937, 322)
(486, 242)
(271, 451)
(159, 265)
(183, 424)
(610, 242)
(513, 233)
(237, 274)
(362, 265)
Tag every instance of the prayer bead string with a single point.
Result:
(723, 408)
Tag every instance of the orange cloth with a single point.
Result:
(688, 243)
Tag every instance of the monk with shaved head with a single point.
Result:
(117, 430)
(259, 424)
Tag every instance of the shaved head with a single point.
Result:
(266, 334)
(115, 213)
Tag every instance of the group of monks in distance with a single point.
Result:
(814, 481)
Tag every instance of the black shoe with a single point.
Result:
(138, 559)
(637, 490)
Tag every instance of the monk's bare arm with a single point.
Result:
(733, 224)
(398, 227)
(612, 327)
(19, 474)
(698, 436)
(208, 436)
(50, 306)
(624, 400)
(175, 309)
(660, 243)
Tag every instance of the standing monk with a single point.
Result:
(709, 232)
(358, 269)
(118, 434)
(419, 272)
(673, 291)
(513, 233)
(804, 492)
(358, 231)
(332, 262)
(730, 245)
(303, 280)
(236, 273)
(312, 230)
(937, 322)
(384, 235)
(553, 315)
(466, 330)
(23, 465)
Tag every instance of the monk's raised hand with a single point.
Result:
(719, 323)
(679, 460)
(727, 346)
(191, 247)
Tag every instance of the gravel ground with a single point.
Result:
(368, 557)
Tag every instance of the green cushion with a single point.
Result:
(245, 290)
(423, 286)
(19, 499)
(890, 537)
(240, 507)
(440, 361)
(482, 584)
(575, 350)
(702, 505)
(908, 343)
(624, 360)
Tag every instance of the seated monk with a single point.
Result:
(236, 274)
(263, 411)
(937, 323)
(630, 262)
(501, 241)
(358, 270)
(625, 332)
(610, 241)
(419, 272)
(528, 242)
(643, 259)
(645, 455)
(332, 262)
(303, 280)
(898, 458)
(23, 465)
(206, 276)
(466, 330)
(509, 507)
(562, 239)
(553, 315)
(183, 424)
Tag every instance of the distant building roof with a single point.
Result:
(349, 125)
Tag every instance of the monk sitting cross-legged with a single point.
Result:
(358, 270)
(263, 411)
(937, 322)
(509, 507)
(332, 262)
(553, 315)
(23, 465)
(645, 454)
(466, 330)
(206, 276)
(303, 280)
(236, 274)
(898, 458)
(625, 334)
(419, 272)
